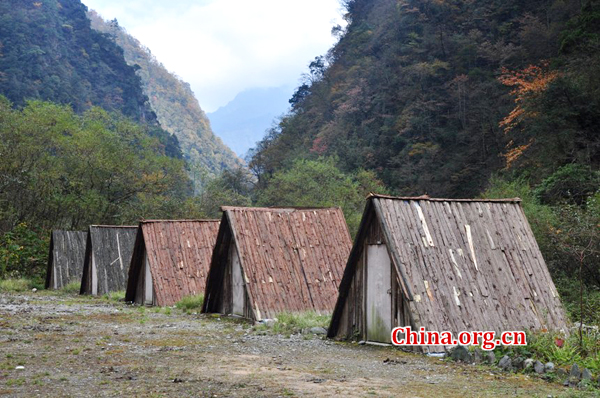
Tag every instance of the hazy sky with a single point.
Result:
(222, 47)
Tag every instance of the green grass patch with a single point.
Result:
(72, 287)
(291, 323)
(115, 296)
(544, 347)
(189, 303)
(15, 285)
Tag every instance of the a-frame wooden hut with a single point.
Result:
(107, 258)
(445, 265)
(170, 260)
(65, 258)
(272, 260)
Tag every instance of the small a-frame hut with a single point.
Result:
(445, 265)
(270, 260)
(107, 258)
(65, 258)
(170, 260)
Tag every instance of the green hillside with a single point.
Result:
(455, 99)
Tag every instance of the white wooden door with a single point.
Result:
(237, 284)
(379, 294)
(148, 285)
(94, 276)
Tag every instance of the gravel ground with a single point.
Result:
(59, 345)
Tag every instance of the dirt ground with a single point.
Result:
(80, 347)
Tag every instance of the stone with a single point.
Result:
(560, 372)
(505, 363)
(477, 356)
(318, 331)
(528, 363)
(538, 367)
(460, 354)
(34, 290)
(575, 372)
(586, 374)
(549, 366)
(518, 363)
(490, 357)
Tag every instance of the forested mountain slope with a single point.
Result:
(174, 103)
(456, 99)
(49, 51)
(419, 91)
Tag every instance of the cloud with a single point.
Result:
(222, 47)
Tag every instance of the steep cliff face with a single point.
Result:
(173, 102)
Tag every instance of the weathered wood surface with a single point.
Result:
(460, 265)
(291, 259)
(111, 248)
(65, 259)
(178, 253)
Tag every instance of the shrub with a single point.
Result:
(190, 302)
(290, 323)
(23, 252)
(72, 287)
(115, 296)
(15, 285)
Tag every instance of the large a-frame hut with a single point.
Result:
(170, 260)
(65, 258)
(445, 265)
(107, 258)
(272, 260)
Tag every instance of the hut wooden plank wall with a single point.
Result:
(170, 260)
(457, 265)
(65, 259)
(107, 257)
(269, 260)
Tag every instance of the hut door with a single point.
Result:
(148, 285)
(237, 284)
(94, 276)
(379, 294)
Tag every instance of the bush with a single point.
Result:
(291, 323)
(72, 287)
(115, 296)
(24, 252)
(15, 285)
(571, 184)
(190, 302)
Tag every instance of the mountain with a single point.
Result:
(174, 103)
(50, 52)
(244, 120)
(438, 96)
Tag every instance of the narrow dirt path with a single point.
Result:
(79, 347)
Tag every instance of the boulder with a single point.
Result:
(460, 354)
(505, 363)
(575, 372)
(518, 363)
(528, 363)
(586, 374)
(318, 331)
(549, 366)
(490, 357)
(538, 367)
